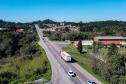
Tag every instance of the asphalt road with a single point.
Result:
(60, 67)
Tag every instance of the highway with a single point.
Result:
(60, 67)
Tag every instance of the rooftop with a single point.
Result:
(65, 53)
(109, 37)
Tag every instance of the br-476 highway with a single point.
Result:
(60, 68)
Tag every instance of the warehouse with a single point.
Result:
(108, 40)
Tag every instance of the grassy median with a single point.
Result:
(83, 60)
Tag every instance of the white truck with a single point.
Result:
(65, 56)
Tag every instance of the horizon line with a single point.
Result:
(61, 21)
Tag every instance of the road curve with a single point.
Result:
(60, 68)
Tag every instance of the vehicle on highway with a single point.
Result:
(43, 38)
(65, 56)
(71, 73)
(44, 35)
(91, 82)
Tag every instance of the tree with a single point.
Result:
(115, 79)
(67, 29)
(121, 65)
(113, 56)
(25, 50)
(115, 64)
(105, 72)
(113, 50)
(81, 26)
(122, 80)
(95, 47)
(79, 46)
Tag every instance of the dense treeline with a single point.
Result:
(13, 43)
(21, 58)
(11, 26)
(104, 27)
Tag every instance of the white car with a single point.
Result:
(91, 82)
(71, 73)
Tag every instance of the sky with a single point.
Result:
(62, 10)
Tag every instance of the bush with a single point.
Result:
(122, 80)
(5, 77)
(115, 79)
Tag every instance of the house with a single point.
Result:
(19, 30)
(2, 29)
(108, 40)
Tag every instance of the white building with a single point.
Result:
(1, 29)
(85, 42)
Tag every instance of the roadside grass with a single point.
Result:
(48, 73)
(83, 60)
(26, 69)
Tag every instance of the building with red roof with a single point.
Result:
(108, 40)
(19, 30)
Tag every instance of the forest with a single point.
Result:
(104, 27)
(13, 43)
(21, 58)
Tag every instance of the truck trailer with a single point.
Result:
(65, 56)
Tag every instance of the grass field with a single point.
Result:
(102, 52)
(83, 60)
(21, 69)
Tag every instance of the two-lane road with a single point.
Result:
(60, 68)
(59, 75)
